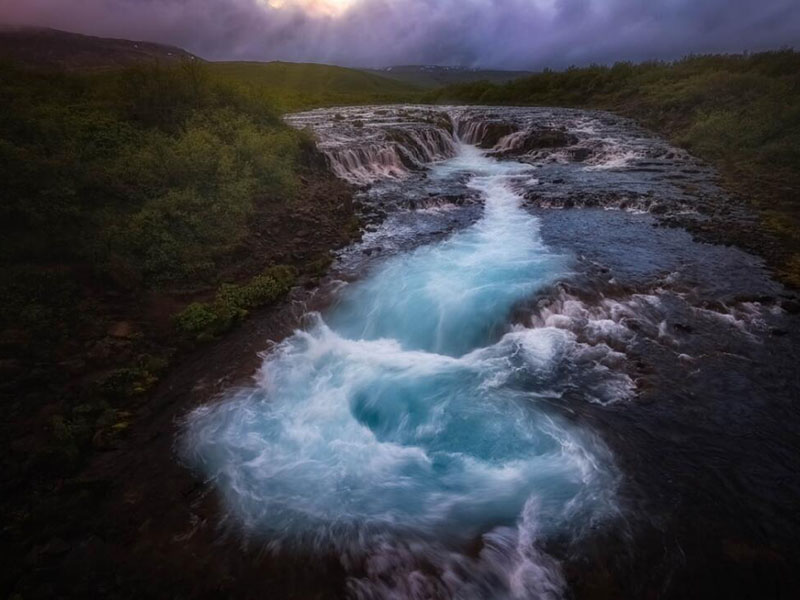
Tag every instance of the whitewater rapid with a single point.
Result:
(410, 422)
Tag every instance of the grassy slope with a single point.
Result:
(127, 195)
(433, 77)
(741, 113)
(43, 47)
(296, 86)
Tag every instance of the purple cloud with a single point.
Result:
(485, 33)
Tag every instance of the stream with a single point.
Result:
(521, 384)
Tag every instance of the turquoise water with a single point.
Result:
(410, 409)
(450, 298)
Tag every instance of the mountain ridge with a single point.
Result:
(44, 47)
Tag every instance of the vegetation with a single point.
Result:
(145, 209)
(426, 76)
(51, 48)
(205, 320)
(296, 86)
(124, 190)
(741, 113)
(131, 174)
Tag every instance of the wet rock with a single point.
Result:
(494, 132)
(579, 154)
(791, 306)
(659, 208)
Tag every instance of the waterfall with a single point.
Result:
(362, 147)
(511, 142)
(364, 165)
(472, 131)
(406, 150)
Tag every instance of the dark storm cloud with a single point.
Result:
(498, 33)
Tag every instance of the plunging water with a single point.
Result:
(409, 413)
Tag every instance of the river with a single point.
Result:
(521, 384)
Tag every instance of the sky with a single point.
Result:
(510, 34)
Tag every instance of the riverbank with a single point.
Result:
(146, 213)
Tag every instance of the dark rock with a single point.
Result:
(791, 306)
(541, 139)
(546, 138)
(580, 154)
(658, 208)
(494, 132)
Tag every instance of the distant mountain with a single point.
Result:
(51, 48)
(431, 76)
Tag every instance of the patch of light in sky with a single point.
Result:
(330, 8)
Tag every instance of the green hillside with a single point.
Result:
(433, 76)
(42, 47)
(286, 86)
(294, 86)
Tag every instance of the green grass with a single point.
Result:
(296, 86)
(434, 77)
(742, 113)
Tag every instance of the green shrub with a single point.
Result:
(205, 320)
(147, 174)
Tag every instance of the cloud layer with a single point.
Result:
(486, 33)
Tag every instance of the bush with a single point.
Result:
(150, 171)
(205, 320)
